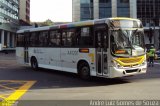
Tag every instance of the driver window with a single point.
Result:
(101, 37)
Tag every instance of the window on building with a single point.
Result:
(147, 10)
(105, 8)
(124, 1)
(86, 9)
(123, 8)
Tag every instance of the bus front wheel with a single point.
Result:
(84, 71)
(34, 64)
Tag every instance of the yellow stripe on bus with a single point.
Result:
(124, 18)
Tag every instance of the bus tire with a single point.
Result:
(34, 64)
(84, 71)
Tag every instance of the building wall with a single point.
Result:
(133, 8)
(148, 11)
(8, 23)
(99, 6)
(76, 10)
(24, 11)
(114, 8)
(96, 9)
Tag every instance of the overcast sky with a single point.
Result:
(56, 10)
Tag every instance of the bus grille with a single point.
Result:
(131, 71)
(130, 62)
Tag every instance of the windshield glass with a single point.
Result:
(126, 43)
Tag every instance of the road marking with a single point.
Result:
(9, 88)
(23, 89)
(3, 97)
(16, 94)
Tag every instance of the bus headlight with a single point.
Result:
(144, 62)
(116, 64)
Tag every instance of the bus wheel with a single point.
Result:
(34, 64)
(84, 71)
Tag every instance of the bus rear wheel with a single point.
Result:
(34, 64)
(84, 71)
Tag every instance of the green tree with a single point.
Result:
(48, 22)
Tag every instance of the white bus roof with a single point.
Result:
(73, 24)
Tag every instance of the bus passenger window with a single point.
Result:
(85, 38)
(53, 38)
(33, 39)
(68, 38)
(20, 40)
(64, 37)
(43, 39)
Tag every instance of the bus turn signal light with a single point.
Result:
(85, 50)
(120, 52)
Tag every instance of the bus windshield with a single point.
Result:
(126, 43)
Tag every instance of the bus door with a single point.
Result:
(26, 44)
(101, 51)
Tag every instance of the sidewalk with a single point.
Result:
(157, 61)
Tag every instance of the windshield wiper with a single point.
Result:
(129, 42)
(133, 34)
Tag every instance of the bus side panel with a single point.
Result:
(32, 54)
(53, 58)
(48, 58)
(91, 58)
(20, 55)
(71, 56)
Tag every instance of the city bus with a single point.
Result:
(110, 47)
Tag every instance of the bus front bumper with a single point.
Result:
(129, 71)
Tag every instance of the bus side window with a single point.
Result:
(68, 38)
(64, 38)
(101, 36)
(86, 38)
(37, 39)
(54, 38)
(20, 40)
(43, 39)
(33, 39)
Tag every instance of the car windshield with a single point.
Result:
(126, 43)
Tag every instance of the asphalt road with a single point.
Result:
(54, 85)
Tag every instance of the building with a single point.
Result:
(94, 9)
(8, 23)
(24, 12)
(13, 14)
(148, 11)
